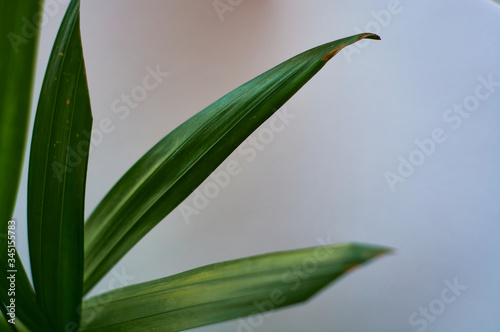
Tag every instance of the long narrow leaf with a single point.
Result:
(223, 291)
(56, 178)
(180, 162)
(4, 325)
(17, 52)
(16, 285)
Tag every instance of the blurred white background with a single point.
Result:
(325, 176)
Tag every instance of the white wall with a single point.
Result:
(324, 176)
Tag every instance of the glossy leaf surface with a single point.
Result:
(181, 161)
(224, 291)
(56, 178)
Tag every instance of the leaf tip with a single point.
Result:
(369, 36)
(337, 49)
(368, 251)
(379, 251)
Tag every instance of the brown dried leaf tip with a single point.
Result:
(337, 49)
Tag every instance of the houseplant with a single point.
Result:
(68, 258)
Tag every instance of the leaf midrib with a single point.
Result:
(186, 169)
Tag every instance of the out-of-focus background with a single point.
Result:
(395, 142)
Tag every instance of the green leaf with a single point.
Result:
(175, 166)
(4, 326)
(223, 291)
(27, 308)
(56, 178)
(18, 47)
(17, 61)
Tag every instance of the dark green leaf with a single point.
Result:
(17, 60)
(4, 325)
(56, 178)
(223, 291)
(18, 46)
(26, 306)
(180, 162)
